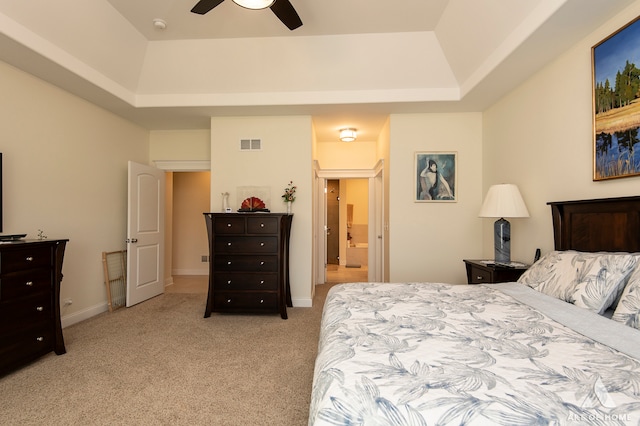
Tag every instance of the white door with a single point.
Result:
(145, 233)
(376, 228)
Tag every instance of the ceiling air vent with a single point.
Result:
(250, 145)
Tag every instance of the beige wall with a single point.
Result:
(180, 145)
(65, 172)
(358, 195)
(540, 138)
(285, 156)
(428, 241)
(341, 155)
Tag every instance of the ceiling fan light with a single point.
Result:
(348, 135)
(254, 4)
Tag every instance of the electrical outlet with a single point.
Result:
(204, 258)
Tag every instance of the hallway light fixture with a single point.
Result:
(503, 201)
(348, 135)
(254, 4)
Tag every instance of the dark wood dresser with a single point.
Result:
(249, 263)
(30, 276)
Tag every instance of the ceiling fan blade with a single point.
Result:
(204, 6)
(284, 10)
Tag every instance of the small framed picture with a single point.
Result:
(435, 177)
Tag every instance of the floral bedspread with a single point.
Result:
(439, 354)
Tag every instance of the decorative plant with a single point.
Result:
(289, 192)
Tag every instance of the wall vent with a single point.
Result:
(250, 145)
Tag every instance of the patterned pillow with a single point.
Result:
(590, 280)
(628, 309)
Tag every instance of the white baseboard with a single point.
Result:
(77, 317)
(302, 303)
(190, 271)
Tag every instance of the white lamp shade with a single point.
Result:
(504, 200)
(254, 4)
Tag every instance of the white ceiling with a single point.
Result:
(325, 17)
(488, 47)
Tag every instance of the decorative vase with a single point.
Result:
(289, 207)
(225, 201)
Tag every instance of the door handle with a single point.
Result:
(131, 240)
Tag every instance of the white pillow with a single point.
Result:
(628, 309)
(590, 280)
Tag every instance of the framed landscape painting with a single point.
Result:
(616, 104)
(435, 177)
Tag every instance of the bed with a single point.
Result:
(560, 346)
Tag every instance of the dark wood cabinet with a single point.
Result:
(249, 263)
(479, 272)
(30, 277)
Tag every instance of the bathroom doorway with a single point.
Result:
(375, 218)
(347, 230)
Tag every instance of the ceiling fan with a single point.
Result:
(283, 9)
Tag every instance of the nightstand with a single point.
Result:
(482, 272)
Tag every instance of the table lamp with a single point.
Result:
(502, 201)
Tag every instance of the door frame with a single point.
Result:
(375, 217)
(177, 166)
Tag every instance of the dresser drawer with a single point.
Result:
(245, 301)
(246, 281)
(25, 258)
(229, 225)
(25, 283)
(25, 312)
(480, 276)
(26, 345)
(266, 244)
(262, 225)
(255, 263)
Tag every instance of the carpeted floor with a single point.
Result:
(162, 363)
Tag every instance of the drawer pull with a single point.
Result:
(39, 309)
(261, 244)
(261, 281)
(228, 300)
(29, 283)
(479, 278)
(40, 339)
(229, 282)
(228, 225)
(29, 258)
(262, 225)
(261, 300)
(228, 244)
(262, 262)
(229, 263)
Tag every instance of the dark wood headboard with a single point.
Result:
(607, 224)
